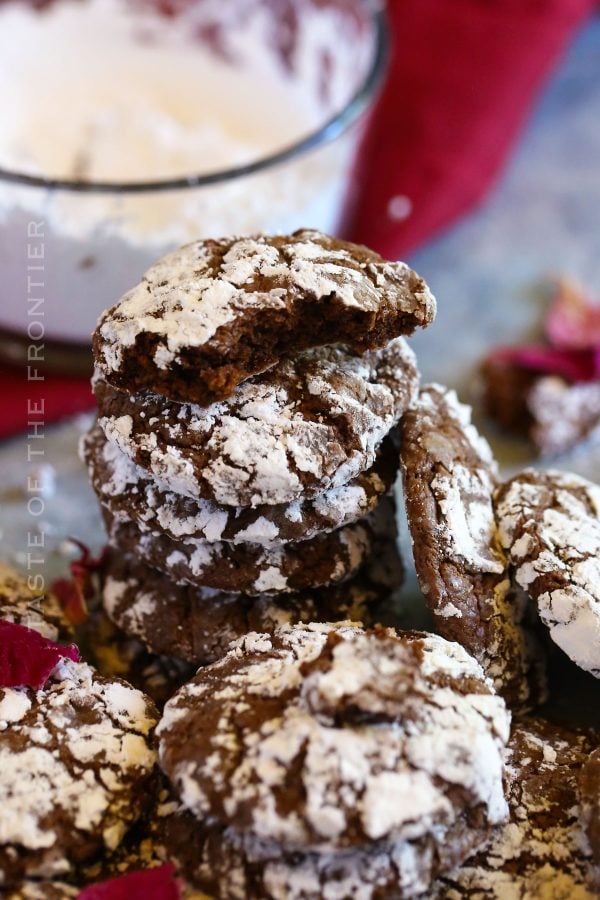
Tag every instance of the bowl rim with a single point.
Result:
(331, 129)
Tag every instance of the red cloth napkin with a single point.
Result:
(462, 78)
(30, 405)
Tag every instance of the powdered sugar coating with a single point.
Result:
(550, 526)
(76, 759)
(206, 297)
(252, 568)
(231, 865)
(310, 424)
(122, 486)
(324, 736)
(450, 476)
(21, 604)
(563, 414)
(199, 624)
(542, 852)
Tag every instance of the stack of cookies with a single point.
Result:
(249, 391)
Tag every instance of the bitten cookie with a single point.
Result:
(324, 737)
(128, 491)
(208, 316)
(449, 478)
(76, 766)
(24, 606)
(252, 568)
(542, 852)
(198, 625)
(312, 423)
(589, 795)
(550, 527)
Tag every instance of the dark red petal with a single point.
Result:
(149, 884)
(26, 658)
(574, 365)
(71, 599)
(73, 594)
(573, 321)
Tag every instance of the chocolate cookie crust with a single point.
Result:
(198, 625)
(76, 762)
(229, 865)
(550, 527)
(325, 737)
(449, 478)
(589, 796)
(24, 606)
(213, 313)
(312, 423)
(127, 490)
(251, 568)
(542, 852)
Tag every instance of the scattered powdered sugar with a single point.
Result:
(550, 526)
(73, 756)
(367, 743)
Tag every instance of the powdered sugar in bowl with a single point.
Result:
(133, 126)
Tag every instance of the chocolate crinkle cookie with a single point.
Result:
(542, 852)
(213, 313)
(198, 624)
(326, 739)
(127, 490)
(22, 604)
(556, 415)
(119, 654)
(550, 528)
(77, 765)
(589, 796)
(312, 423)
(450, 477)
(328, 558)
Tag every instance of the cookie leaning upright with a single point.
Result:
(450, 477)
(213, 313)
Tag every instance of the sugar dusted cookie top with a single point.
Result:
(550, 527)
(210, 315)
(76, 763)
(326, 736)
(126, 489)
(542, 851)
(311, 423)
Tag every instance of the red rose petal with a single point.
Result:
(573, 321)
(72, 594)
(149, 884)
(573, 365)
(26, 658)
